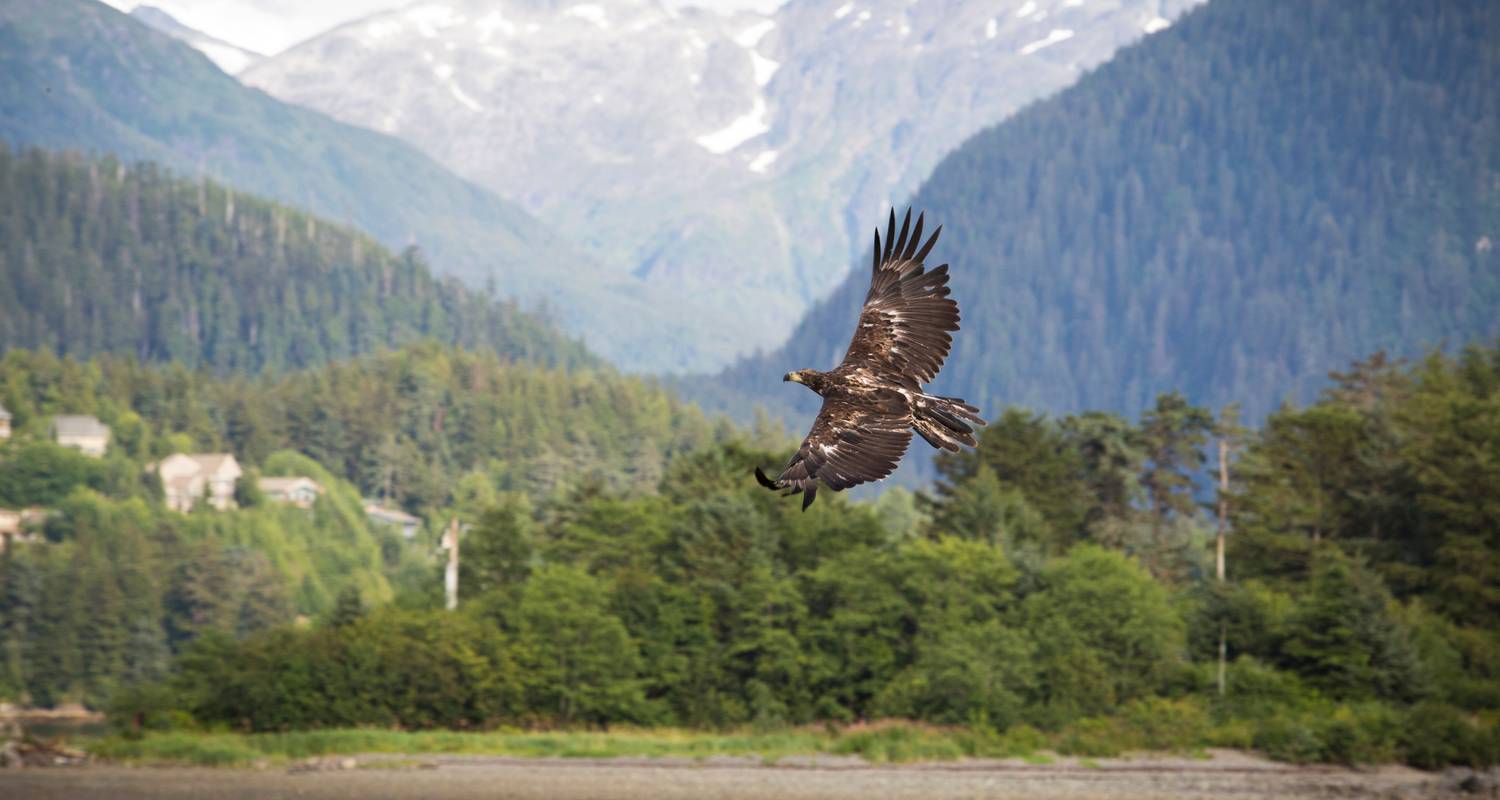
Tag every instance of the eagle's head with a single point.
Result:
(810, 378)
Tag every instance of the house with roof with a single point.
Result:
(393, 517)
(20, 525)
(299, 491)
(82, 432)
(4, 422)
(187, 478)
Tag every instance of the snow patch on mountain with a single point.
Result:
(752, 35)
(1055, 36)
(763, 67)
(741, 130)
(429, 20)
(590, 13)
(487, 25)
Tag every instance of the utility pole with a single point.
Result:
(1219, 554)
(450, 575)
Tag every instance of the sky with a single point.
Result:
(270, 26)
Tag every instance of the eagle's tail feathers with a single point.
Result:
(945, 423)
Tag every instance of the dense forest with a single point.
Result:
(417, 426)
(121, 582)
(1228, 209)
(97, 256)
(1059, 580)
(78, 74)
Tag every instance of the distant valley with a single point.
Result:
(739, 160)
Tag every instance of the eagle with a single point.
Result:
(874, 400)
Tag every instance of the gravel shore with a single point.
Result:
(1225, 774)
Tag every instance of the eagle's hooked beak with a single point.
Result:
(794, 377)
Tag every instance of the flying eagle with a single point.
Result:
(874, 399)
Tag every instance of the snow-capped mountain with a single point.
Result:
(230, 58)
(740, 157)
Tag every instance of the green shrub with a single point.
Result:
(1160, 724)
(1020, 740)
(1292, 739)
(1435, 735)
(900, 742)
(1095, 736)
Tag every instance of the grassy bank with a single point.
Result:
(1359, 734)
(877, 743)
(1424, 736)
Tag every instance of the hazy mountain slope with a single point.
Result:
(729, 156)
(1263, 193)
(230, 58)
(98, 257)
(77, 74)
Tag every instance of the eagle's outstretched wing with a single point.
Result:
(848, 445)
(904, 327)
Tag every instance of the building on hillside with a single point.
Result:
(81, 431)
(4, 422)
(395, 518)
(20, 525)
(186, 479)
(300, 491)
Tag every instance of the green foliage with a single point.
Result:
(1021, 450)
(416, 670)
(1344, 639)
(103, 258)
(1434, 735)
(42, 474)
(1105, 633)
(580, 662)
(706, 601)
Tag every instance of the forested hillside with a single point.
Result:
(100, 257)
(117, 583)
(1231, 208)
(1056, 591)
(423, 426)
(77, 74)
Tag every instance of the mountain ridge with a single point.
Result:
(1233, 208)
(733, 157)
(75, 74)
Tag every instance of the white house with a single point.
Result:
(81, 431)
(396, 518)
(4, 422)
(20, 525)
(186, 479)
(299, 491)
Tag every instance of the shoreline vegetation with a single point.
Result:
(1180, 728)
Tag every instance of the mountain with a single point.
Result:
(738, 158)
(1234, 207)
(99, 257)
(228, 57)
(75, 74)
